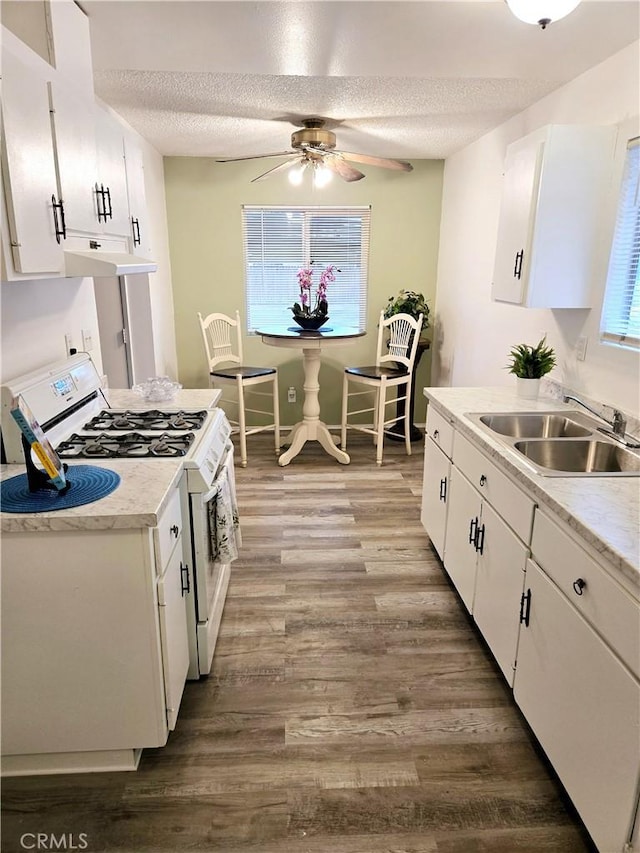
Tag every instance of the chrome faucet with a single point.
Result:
(617, 423)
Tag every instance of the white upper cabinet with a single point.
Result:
(29, 174)
(136, 193)
(63, 167)
(75, 150)
(556, 182)
(69, 40)
(111, 180)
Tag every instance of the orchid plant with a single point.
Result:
(305, 282)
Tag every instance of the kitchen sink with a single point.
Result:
(561, 444)
(580, 457)
(530, 425)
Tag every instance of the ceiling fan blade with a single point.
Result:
(384, 162)
(281, 167)
(342, 168)
(257, 157)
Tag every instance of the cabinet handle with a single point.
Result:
(135, 227)
(103, 201)
(479, 543)
(525, 607)
(436, 433)
(517, 268)
(108, 213)
(175, 530)
(579, 585)
(185, 584)
(443, 489)
(60, 226)
(483, 479)
(473, 531)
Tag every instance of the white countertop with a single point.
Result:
(603, 511)
(145, 484)
(138, 501)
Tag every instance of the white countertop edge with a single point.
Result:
(139, 500)
(538, 486)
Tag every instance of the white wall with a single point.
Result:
(474, 334)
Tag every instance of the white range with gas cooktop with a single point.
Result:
(108, 607)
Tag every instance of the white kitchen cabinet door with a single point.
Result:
(555, 189)
(435, 494)
(173, 633)
(138, 219)
(521, 175)
(111, 178)
(502, 562)
(75, 147)
(584, 707)
(460, 555)
(28, 167)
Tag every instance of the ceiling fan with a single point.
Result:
(315, 148)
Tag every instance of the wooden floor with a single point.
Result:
(352, 707)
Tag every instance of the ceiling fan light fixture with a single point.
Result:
(321, 176)
(541, 12)
(297, 174)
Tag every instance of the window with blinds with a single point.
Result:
(620, 321)
(278, 241)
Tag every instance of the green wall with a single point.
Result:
(204, 204)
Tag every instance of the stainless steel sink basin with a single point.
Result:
(580, 457)
(533, 425)
(560, 443)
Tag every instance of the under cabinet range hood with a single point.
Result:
(94, 263)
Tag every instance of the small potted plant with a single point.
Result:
(412, 303)
(530, 364)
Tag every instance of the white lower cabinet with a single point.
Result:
(94, 645)
(486, 562)
(502, 560)
(563, 626)
(460, 554)
(435, 494)
(584, 707)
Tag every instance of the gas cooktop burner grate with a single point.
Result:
(130, 445)
(152, 419)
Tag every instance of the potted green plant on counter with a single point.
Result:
(530, 364)
(414, 304)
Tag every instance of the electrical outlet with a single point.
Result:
(581, 348)
(68, 344)
(291, 394)
(87, 340)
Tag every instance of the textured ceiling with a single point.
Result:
(397, 79)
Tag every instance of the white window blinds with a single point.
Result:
(620, 321)
(278, 241)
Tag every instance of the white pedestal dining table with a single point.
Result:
(310, 428)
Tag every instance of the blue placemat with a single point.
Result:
(88, 484)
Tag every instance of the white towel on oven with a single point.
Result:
(224, 521)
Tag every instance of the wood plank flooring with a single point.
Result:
(352, 707)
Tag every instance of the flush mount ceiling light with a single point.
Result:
(542, 12)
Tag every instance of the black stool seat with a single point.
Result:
(375, 372)
(245, 372)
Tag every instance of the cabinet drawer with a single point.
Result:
(440, 430)
(604, 604)
(168, 532)
(505, 497)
